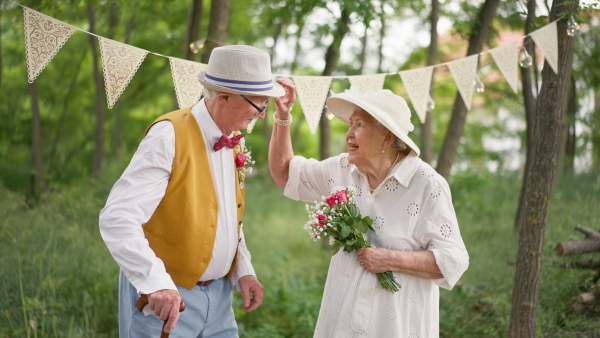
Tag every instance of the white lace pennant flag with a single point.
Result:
(312, 92)
(365, 83)
(44, 37)
(507, 59)
(464, 71)
(119, 62)
(546, 39)
(417, 83)
(187, 87)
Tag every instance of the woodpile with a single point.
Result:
(591, 243)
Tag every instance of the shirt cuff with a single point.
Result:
(291, 188)
(153, 284)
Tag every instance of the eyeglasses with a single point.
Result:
(260, 110)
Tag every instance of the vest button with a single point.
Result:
(240, 223)
(239, 205)
(207, 244)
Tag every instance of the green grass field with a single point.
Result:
(57, 278)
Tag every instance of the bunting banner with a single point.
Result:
(366, 83)
(44, 37)
(463, 71)
(417, 83)
(546, 39)
(185, 77)
(119, 62)
(507, 59)
(312, 92)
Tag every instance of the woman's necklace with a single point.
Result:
(386, 176)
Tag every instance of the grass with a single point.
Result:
(58, 280)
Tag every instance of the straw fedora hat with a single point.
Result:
(242, 70)
(386, 107)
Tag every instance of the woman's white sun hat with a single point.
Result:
(242, 70)
(386, 107)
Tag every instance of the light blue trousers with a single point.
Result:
(208, 313)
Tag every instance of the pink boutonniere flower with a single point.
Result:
(242, 161)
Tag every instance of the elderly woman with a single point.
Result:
(416, 232)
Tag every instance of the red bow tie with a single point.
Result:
(225, 141)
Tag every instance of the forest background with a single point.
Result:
(61, 150)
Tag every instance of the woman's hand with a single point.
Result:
(377, 259)
(284, 103)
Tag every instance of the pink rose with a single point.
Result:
(332, 200)
(341, 196)
(240, 160)
(321, 218)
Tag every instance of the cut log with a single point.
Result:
(589, 233)
(577, 247)
(577, 307)
(587, 297)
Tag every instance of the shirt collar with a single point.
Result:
(404, 170)
(209, 128)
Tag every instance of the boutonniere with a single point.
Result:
(243, 160)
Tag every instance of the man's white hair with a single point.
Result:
(210, 94)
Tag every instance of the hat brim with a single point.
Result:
(343, 105)
(277, 90)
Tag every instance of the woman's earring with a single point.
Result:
(382, 151)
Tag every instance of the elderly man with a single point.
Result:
(173, 220)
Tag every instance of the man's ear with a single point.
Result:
(223, 98)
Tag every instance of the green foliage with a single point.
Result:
(58, 280)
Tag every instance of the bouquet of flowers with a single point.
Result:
(337, 217)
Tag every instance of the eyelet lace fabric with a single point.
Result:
(463, 71)
(417, 83)
(312, 92)
(366, 83)
(44, 37)
(546, 39)
(119, 63)
(187, 87)
(507, 59)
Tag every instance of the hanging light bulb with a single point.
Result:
(196, 46)
(430, 104)
(525, 59)
(479, 86)
(572, 27)
(330, 116)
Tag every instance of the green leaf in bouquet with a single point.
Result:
(369, 220)
(349, 220)
(345, 231)
(348, 248)
(353, 211)
(361, 226)
(336, 247)
(370, 227)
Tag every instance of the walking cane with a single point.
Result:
(143, 301)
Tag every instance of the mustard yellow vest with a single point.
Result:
(183, 228)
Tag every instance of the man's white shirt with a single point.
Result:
(136, 195)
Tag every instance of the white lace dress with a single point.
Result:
(412, 211)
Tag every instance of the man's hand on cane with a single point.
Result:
(165, 304)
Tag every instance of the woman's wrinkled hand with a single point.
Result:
(284, 103)
(376, 260)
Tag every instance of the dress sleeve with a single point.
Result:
(437, 230)
(309, 179)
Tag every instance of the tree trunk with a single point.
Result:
(38, 182)
(459, 111)
(381, 37)
(192, 28)
(568, 162)
(331, 60)
(596, 134)
(539, 184)
(217, 28)
(362, 57)
(426, 133)
(529, 103)
(294, 64)
(99, 152)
